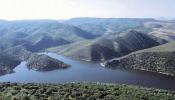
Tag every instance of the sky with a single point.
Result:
(65, 9)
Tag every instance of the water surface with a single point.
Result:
(81, 71)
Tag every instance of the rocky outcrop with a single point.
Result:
(160, 62)
(44, 63)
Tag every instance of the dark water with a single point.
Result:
(81, 71)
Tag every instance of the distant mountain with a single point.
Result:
(35, 33)
(162, 29)
(104, 48)
(102, 26)
(160, 59)
(104, 21)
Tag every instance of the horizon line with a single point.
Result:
(62, 19)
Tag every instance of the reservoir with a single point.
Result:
(81, 71)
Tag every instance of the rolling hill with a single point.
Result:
(101, 26)
(44, 63)
(162, 29)
(107, 48)
(158, 59)
(90, 39)
(35, 33)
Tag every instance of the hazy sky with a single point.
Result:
(63, 9)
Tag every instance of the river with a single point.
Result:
(81, 71)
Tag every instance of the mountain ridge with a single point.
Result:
(104, 49)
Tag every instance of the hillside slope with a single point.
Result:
(103, 48)
(7, 63)
(35, 61)
(163, 29)
(44, 63)
(103, 26)
(35, 33)
(160, 59)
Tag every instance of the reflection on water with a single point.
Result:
(81, 71)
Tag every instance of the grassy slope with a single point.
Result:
(168, 47)
(67, 49)
(104, 49)
(108, 25)
(158, 59)
(39, 34)
(164, 29)
(81, 91)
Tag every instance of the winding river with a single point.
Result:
(81, 71)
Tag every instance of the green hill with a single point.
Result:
(44, 63)
(103, 26)
(107, 48)
(160, 59)
(35, 33)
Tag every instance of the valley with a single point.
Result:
(83, 71)
(131, 51)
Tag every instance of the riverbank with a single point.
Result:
(81, 91)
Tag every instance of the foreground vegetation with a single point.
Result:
(80, 91)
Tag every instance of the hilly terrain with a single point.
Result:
(118, 43)
(12, 57)
(90, 39)
(162, 29)
(113, 26)
(107, 48)
(7, 63)
(103, 26)
(158, 59)
(38, 34)
(45, 63)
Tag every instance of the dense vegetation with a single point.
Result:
(44, 63)
(157, 59)
(160, 62)
(80, 91)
